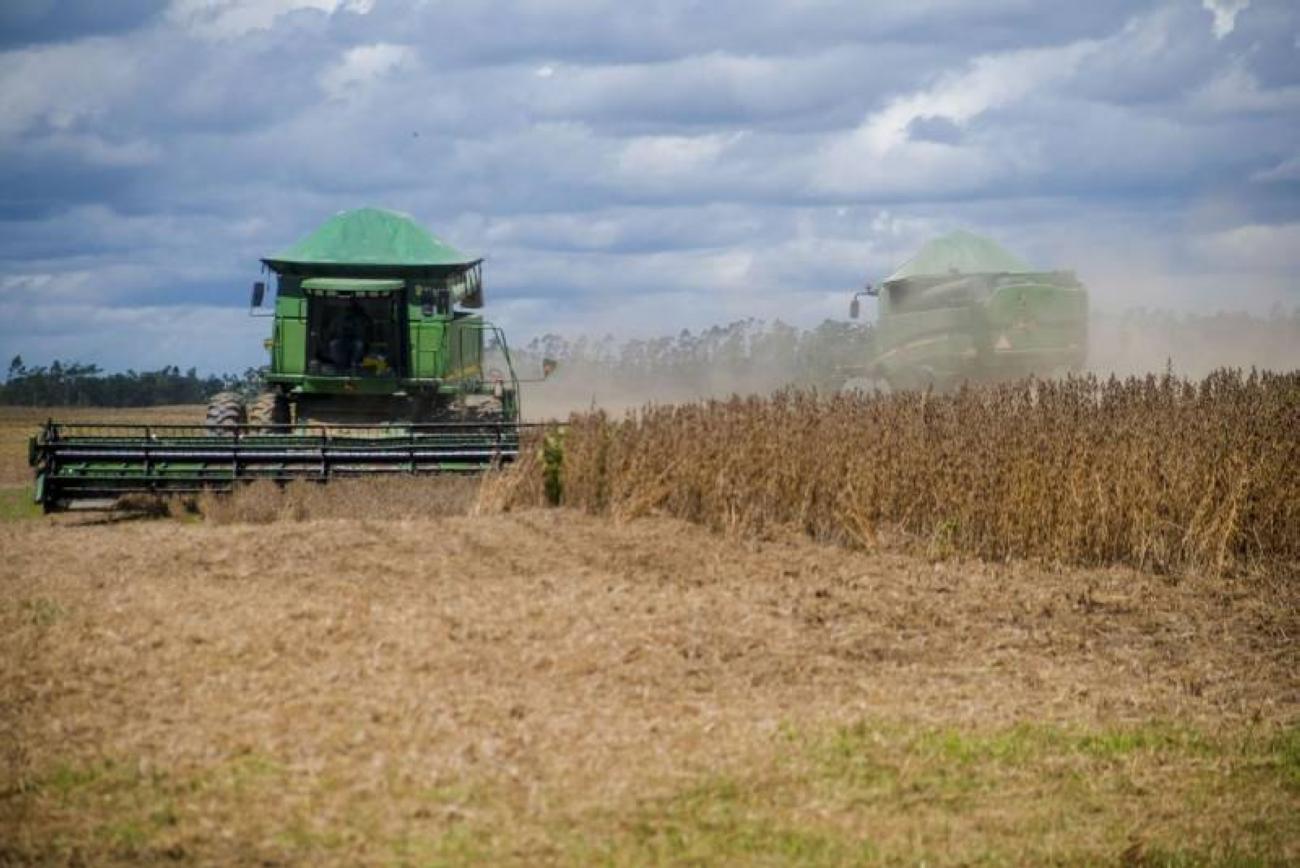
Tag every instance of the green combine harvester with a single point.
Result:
(377, 366)
(965, 309)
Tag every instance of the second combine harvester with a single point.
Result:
(964, 309)
(378, 365)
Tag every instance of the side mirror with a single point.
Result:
(854, 308)
(259, 293)
(873, 291)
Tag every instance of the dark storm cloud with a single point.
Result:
(25, 22)
(652, 165)
(609, 32)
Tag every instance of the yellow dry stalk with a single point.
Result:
(1157, 472)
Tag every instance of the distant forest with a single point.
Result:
(748, 355)
(72, 384)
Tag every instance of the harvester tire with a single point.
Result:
(225, 413)
(270, 410)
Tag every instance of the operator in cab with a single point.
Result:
(348, 337)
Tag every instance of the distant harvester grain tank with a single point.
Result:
(964, 308)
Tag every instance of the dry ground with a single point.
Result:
(546, 687)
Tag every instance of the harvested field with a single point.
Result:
(402, 498)
(550, 687)
(429, 671)
(19, 423)
(1155, 472)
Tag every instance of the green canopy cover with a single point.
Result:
(370, 240)
(961, 252)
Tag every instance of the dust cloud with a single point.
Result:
(757, 359)
(1192, 345)
(578, 387)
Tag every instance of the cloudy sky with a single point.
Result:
(633, 166)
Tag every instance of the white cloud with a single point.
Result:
(663, 157)
(94, 150)
(991, 82)
(716, 87)
(224, 19)
(880, 155)
(1235, 89)
(49, 288)
(1225, 14)
(1287, 170)
(362, 65)
(61, 86)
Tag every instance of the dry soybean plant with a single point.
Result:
(1157, 472)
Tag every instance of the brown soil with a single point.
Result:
(573, 662)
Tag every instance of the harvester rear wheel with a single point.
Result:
(225, 413)
(269, 409)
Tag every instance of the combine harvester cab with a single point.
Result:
(964, 309)
(378, 366)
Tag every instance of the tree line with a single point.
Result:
(754, 356)
(746, 352)
(74, 384)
